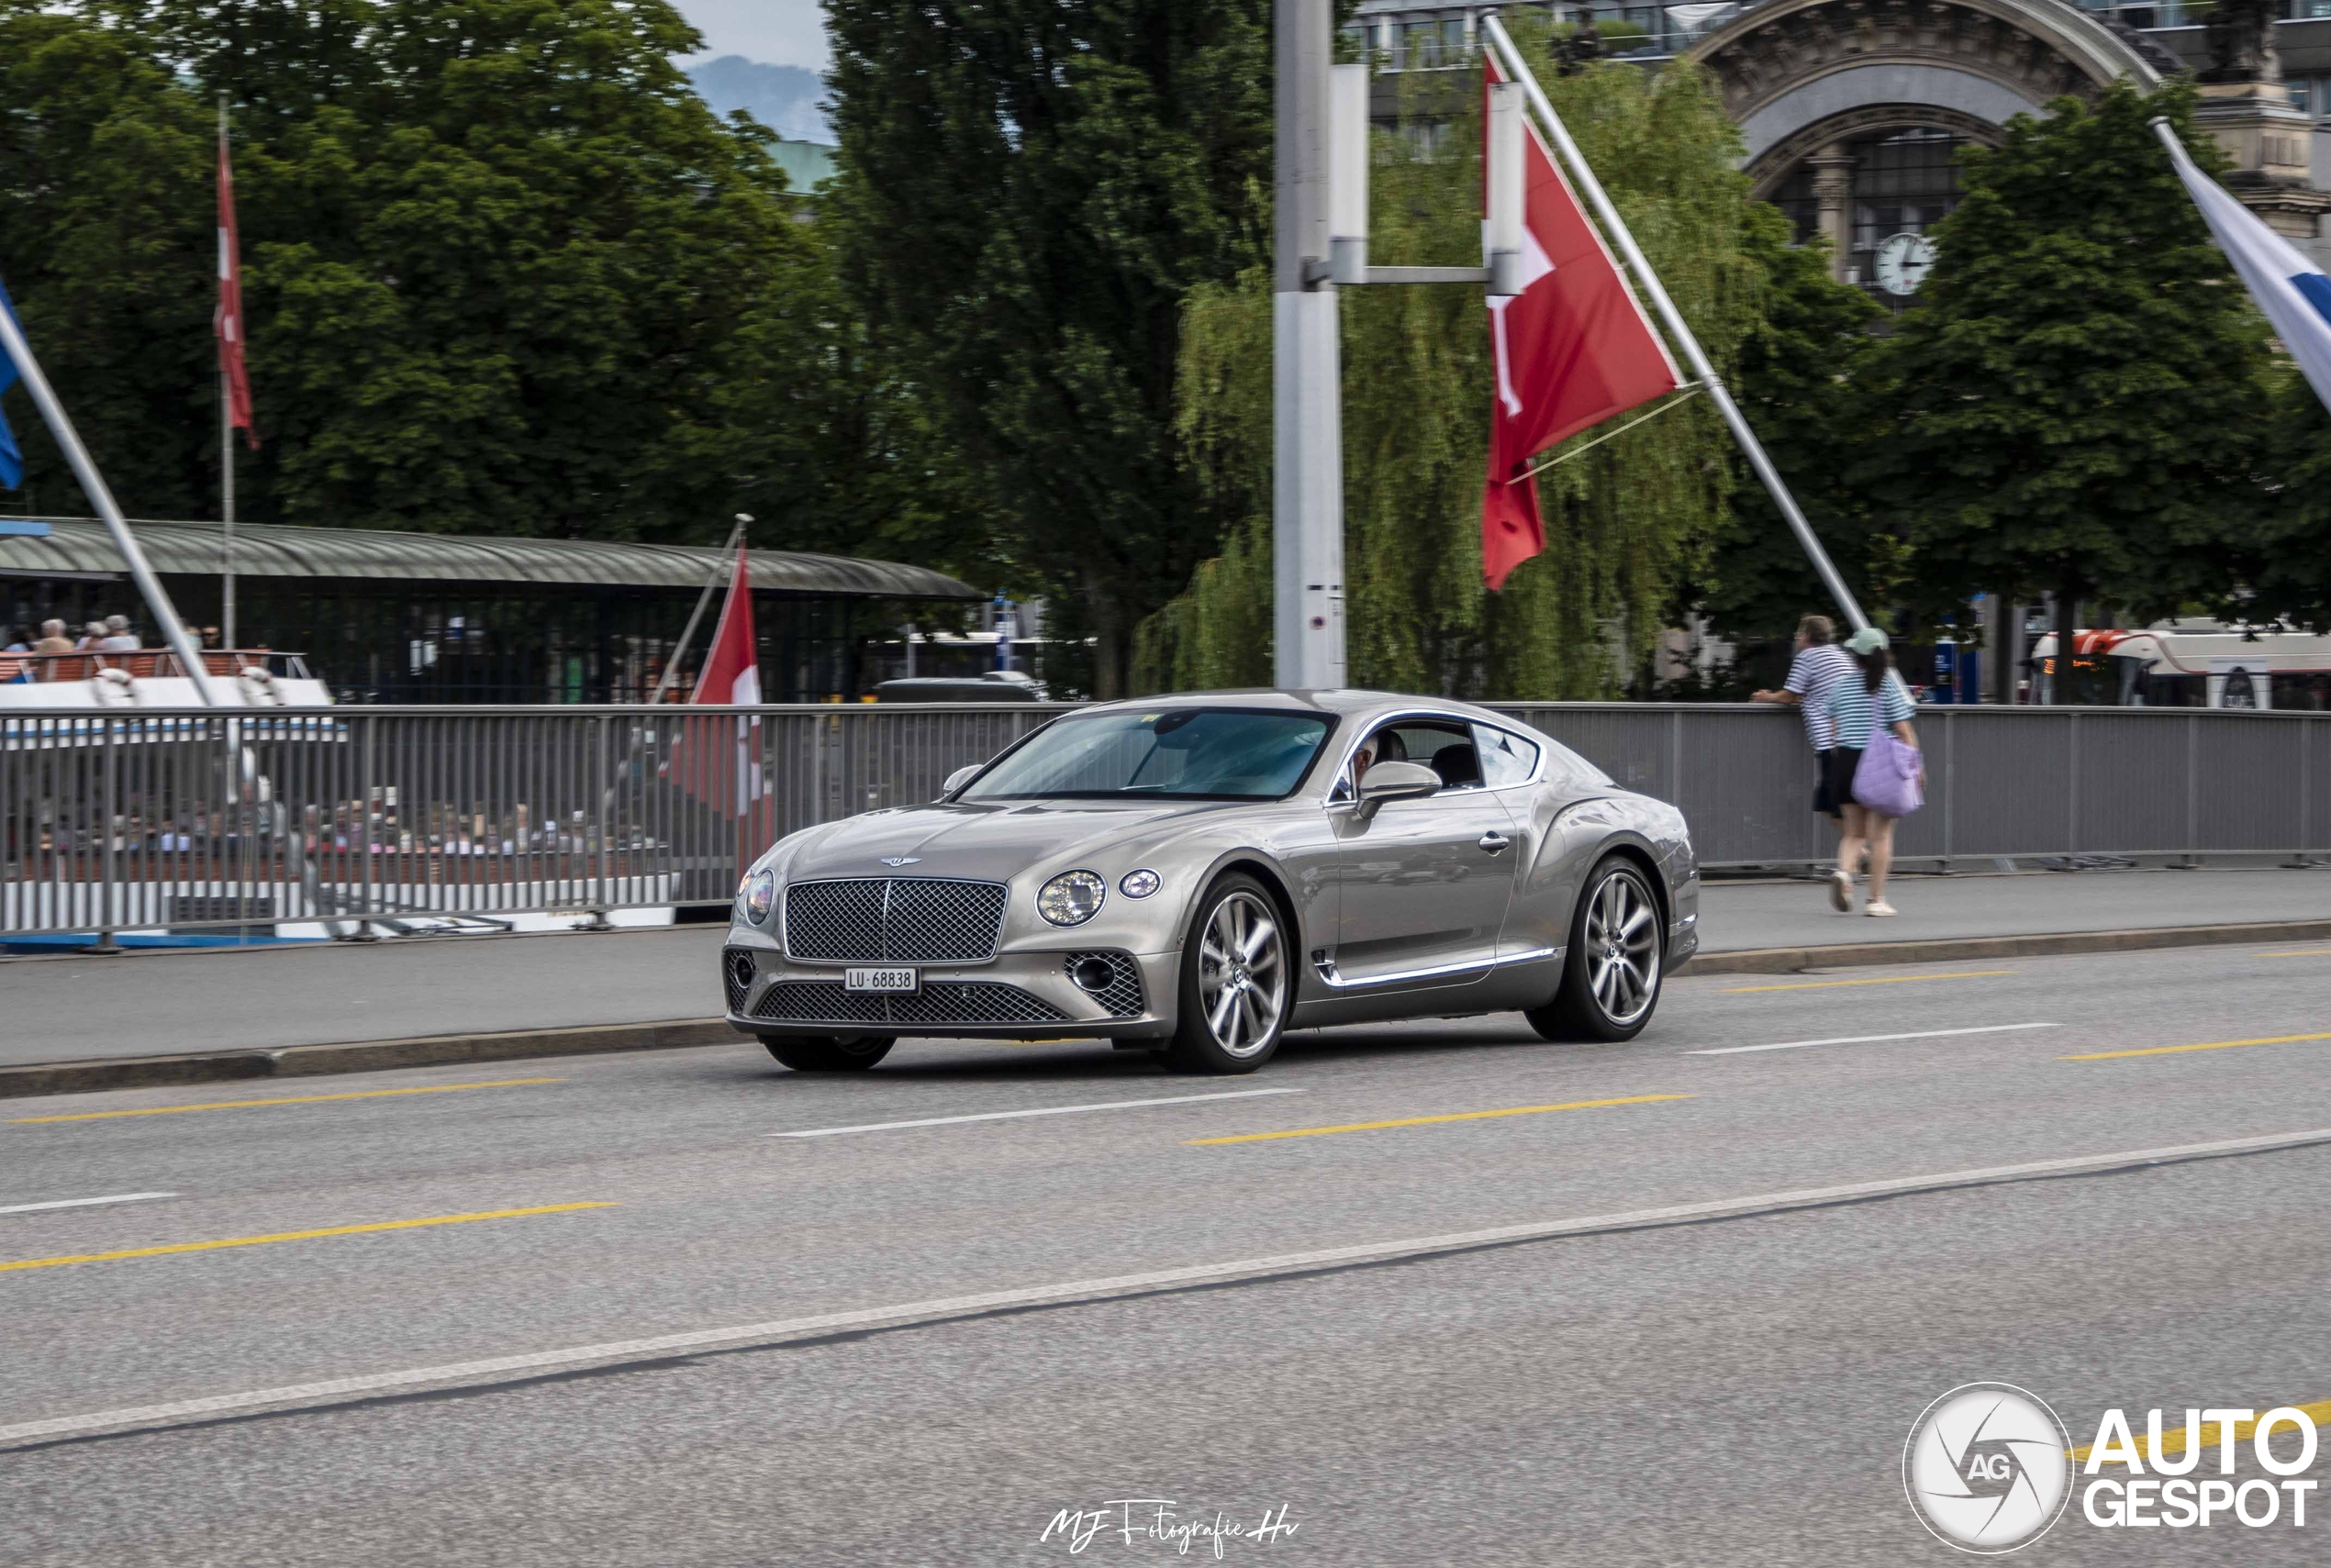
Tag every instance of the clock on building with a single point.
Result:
(1903, 261)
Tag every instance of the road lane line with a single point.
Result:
(81, 1202)
(294, 1236)
(292, 1100)
(1428, 1121)
(1886, 980)
(1867, 1039)
(2205, 1045)
(2300, 953)
(1079, 1292)
(2173, 1436)
(1012, 1116)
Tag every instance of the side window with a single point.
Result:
(1505, 759)
(1446, 749)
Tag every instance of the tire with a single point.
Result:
(824, 1053)
(1250, 993)
(1617, 960)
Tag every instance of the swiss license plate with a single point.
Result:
(905, 980)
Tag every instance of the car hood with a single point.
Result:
(990, 843)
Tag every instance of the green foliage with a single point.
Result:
(505, 274)
(1803, 367)
(2077, 406)
(1027, 191)
(1626, 521)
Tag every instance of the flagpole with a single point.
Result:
(1617, 228)
(93, 484)
(226, 453)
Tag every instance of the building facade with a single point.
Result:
(1853, 110)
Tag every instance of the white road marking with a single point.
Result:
(1087, 1290)
(81, 1202)
(1047, 1110)
(1868, 1039)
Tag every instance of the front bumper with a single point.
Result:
(1014, 996)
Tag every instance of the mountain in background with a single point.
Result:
(783, 97)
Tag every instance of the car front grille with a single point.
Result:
(1122, 995)
(895, 920)
(939, 1001)
(738, 968)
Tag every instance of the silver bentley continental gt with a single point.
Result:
(1195, 875)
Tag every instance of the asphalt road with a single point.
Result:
(161, 1003)
(929, 1383)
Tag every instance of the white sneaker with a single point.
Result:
(1841, 893)
(1881, 910)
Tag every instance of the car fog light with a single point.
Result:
(759, 892)
(1140, 884)
(1094, 973)
(1072, 899)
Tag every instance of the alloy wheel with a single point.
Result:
(1242, 974)
(1622, 949)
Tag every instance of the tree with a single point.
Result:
(2076, 405)
(506, 272)
(1628, 520)
(1027, 191)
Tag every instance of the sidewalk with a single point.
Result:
(438, 993)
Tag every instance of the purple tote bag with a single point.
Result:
(1886, 779)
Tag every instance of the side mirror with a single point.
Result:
(1395, 781)
(959, 778)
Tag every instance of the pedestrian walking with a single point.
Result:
(1866, 707)
(1819, 664)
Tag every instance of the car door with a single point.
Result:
(1424, 882)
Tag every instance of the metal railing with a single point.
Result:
(353, 818)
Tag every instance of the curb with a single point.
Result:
(434, 1050)
(1954, 950)
(365, 1056)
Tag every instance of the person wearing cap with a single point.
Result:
(1873, 694)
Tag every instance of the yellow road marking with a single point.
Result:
(1428, 1121)
(1888, 980)
(292, 1100)
(294, 1236)
(2205, 1045)
(2173, 1435)
(2301, 952)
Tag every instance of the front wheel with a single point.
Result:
(1237, 982)
(823, 1054)
(1611, 975)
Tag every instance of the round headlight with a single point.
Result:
(1072, 899)
(1139, 884)
(759, 892)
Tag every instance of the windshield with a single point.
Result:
(1164, 753)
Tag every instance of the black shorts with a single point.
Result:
(1821, 802)
(1838, 766)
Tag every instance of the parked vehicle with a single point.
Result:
(1197, 875)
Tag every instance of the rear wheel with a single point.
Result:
(1611, 976)
(1236, 984)
(824, 1053)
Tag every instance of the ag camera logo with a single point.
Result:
(1988, 1468)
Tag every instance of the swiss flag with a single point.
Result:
(718, 760)
(1573, 349)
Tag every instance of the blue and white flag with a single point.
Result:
(11, 455)
(2291, 290)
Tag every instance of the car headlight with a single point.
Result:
(759, 892)
(1072, 899)
(1140, 884)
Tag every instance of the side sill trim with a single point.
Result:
(1327, 971)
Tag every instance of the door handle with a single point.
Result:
(1495, 842)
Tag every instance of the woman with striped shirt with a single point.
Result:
(1873, 694)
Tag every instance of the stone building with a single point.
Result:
(1853, 109)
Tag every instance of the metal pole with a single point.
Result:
(711, 585)
(1307, 417)
(1616, 229)
(226, 456)
(93, 484)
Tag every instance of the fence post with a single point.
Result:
(1950, 786)
(598, 920)
(107, 890)
(2191, 859)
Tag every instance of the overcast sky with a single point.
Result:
(777, 32)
